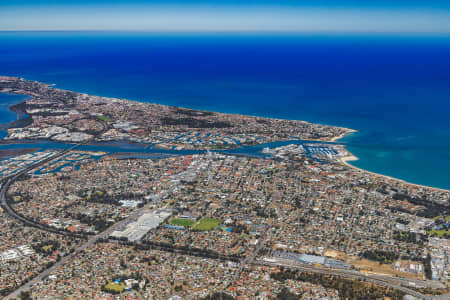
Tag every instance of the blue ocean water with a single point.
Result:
(6, 100)
(6, 115)
(394, 90)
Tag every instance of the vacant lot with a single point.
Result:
(368, 266)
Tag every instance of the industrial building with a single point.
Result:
(134, 231)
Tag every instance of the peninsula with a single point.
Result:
(66, 116)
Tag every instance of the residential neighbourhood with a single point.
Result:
(291, 209)
(290, 220)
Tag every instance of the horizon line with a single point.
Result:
(287, 32)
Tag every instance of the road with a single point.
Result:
(6, 183)
(90, 242)
(249, 259)
(382, 280)
(9, 180)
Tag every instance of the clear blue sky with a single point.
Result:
(393, 16)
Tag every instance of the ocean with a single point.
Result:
(395, 90)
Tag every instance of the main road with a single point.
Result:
(89, 243)
(381, 280)
(6, 183)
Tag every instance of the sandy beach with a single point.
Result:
(336, 138)
(345, 160)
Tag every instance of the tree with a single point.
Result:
(286, 294)
(25, 295)
(219, 296)
(427, 267)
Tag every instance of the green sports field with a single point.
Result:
(182, 222)
(115, 287)
(206, 224)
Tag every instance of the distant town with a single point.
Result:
(66, 116)
(298, 222)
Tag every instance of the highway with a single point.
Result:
(90, 242)
(393, 282)
(377, 279)
(9, 180)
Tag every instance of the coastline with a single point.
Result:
(15, 108)
(351, 157)
(345, 161)
(19, 110)
(349, 130)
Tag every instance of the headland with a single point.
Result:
(67, 116)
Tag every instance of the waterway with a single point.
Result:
(393, 90)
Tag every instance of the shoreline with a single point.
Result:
(349, 130)
(54, 85)
(344, 160)
(351, 157)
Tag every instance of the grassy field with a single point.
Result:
(442, 232)
(182, 222)
(206, 224)
(105, 118)
(447, 218)
(439, 233)
(116, 287)
(48, 248)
